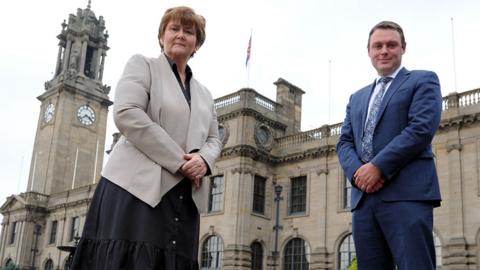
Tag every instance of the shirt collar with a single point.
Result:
(393, 75)
(173, 65)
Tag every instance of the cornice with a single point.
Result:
(99, 94)
(262, 155)
(458, 121)
(71, 204)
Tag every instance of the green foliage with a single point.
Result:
(353, 264)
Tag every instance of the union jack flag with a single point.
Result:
(249, 48)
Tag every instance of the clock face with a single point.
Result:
(49, 113)
(86, 115)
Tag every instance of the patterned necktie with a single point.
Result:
(367, 147)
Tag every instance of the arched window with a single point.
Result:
(438, 250)
(48, 265)
(257, 256)
(68, 263)
(212, 253)
(296, 255)
(346, 252)
(9, 265)
(8, 262)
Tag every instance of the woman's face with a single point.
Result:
(179, 41)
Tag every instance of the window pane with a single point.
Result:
(215, 200)
(346, 252)
(74, 229)
(347, 193)
(13, 232)
(53, 232)
(49, 265)
(298, 196)
(296, 255)
(259, 194)
(257, 256)
(212, 253)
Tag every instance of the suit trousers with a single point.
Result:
(393, 233)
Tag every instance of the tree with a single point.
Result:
(353, 264)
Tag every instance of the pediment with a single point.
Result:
(13, 202)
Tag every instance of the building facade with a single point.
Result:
(67, 153)
(266, 155)
(278, 197)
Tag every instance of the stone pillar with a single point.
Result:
(456, 254)
(83, 56)
(66, 54)
(236, 257)
(58, 66)
(319, 254)
(102, 64)
(3, 238)
(237, 250)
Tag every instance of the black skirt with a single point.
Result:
(123, 232)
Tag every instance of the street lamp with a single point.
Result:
(36, 233)
(277, 227)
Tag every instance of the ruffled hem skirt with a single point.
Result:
(122, 254)
(122, 232)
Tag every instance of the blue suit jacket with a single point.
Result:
(407, 121)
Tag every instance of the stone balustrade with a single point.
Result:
(459, 100)
(248, 98)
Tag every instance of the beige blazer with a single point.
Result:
(158, 128)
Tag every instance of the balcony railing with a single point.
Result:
(248, 98)
(310, 135)
(227, 100)
(459, 100)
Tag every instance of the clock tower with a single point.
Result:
(70, 138)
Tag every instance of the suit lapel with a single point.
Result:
(401, 77)
(173, 88)
(194, 114)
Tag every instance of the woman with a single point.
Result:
(145, 211)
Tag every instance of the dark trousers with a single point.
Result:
(393, 233)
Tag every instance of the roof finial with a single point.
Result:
(89, 2)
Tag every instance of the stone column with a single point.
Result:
(58, 66)
(66, 54)
(102, 64)
(319, 254)
(237, 253)
(3, 239)
(83, 56)
(456, 254)
(98, 62)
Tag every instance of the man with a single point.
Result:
(385, 151)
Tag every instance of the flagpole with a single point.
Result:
(329, 89)
(454, 60)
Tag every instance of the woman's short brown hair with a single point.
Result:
(187, 17)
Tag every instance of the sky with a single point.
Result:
(317, 45)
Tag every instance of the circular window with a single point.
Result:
(221, 133)
(263, 135)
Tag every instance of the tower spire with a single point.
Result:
(89, 4)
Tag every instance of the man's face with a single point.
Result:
(385, 51)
